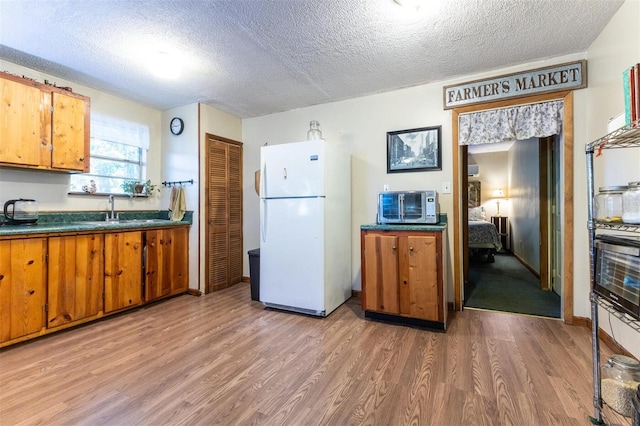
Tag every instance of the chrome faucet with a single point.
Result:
(112, 217)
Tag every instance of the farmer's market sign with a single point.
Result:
(555, 78)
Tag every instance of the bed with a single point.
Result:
(483, 235)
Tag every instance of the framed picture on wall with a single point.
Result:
(474, 194)
(414, 150)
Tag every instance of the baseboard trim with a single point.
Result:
(604, 337)
(526, 265)
(194, 292)
(356, 293)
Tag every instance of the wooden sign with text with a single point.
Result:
(569, 76)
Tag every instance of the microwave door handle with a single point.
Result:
(401, 203)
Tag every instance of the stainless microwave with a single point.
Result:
(617, 271)
(408, 207)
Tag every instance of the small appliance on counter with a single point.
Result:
(408, 207)
(21, 212)
(617, 272)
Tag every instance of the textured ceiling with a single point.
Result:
(256, 57)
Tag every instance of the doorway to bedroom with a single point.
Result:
(556, 244)
(512, 194)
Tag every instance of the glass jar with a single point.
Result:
(631, 203)
(314, 132)
(620, 380)
(609, 203)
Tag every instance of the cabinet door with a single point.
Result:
(69, 127)
(122, 270)
(22, 287)
(419, 283)
(167, 262)
(24, 129)
(76, 278)
(381, 273)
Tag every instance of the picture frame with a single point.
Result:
(474, 194)
(414, 150)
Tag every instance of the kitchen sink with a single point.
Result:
(122, 221)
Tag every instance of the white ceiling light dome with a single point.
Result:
(165, 65)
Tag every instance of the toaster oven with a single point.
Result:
(408, 207)
(617, 272)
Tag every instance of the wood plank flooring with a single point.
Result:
(222, 359)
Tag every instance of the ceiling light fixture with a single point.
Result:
(165, 65)
(410, 3)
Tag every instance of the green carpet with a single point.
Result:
(507, 286)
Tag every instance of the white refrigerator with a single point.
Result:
(305, 227)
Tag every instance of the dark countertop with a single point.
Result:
(438, 227)
(62, 222)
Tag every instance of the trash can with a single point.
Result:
(254, 273)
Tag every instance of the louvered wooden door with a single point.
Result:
(224, 213)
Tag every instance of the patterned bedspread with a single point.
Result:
(483, 235)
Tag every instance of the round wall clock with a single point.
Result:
(177, 125)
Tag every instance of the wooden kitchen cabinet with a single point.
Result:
(76, 278)
(23, 282)
(122, 270)
(402, 277)
(167, 262)
(44, 126)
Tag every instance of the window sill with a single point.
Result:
(106, 194)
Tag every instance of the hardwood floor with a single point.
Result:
(223, 359)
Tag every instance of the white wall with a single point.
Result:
(51, 188)
(180, 159)
(616, 48)
(524, 201)
(360, 126)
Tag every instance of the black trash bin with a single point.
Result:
(254, 273)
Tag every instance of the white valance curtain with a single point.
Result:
(120, 131)
(511, 123)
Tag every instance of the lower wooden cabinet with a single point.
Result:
(167, 262)
(23, 287)
(75, 278)
(402, 277)
(53, 282)
(122, 270)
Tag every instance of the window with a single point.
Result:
(118, 153)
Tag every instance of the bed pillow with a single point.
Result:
(477, 213)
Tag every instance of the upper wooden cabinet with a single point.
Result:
(43, 127)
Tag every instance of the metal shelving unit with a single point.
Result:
(625, 137)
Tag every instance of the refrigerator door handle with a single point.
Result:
(285, 172)
(263, 220)
(263, 180)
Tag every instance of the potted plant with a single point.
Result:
(137, 188)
